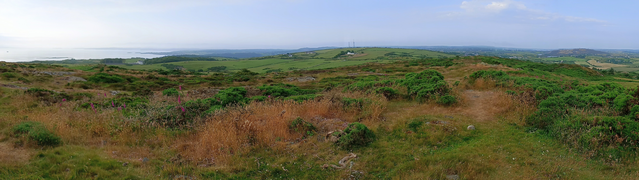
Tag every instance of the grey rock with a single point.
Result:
(13, 86)
(115, 92)
(452, 177)
(125, 164)
(305, 79)
(74, 78)
(471, 127)
(52, 73)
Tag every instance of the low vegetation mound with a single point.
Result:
(36, 131)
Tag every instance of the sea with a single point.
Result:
(23, 55)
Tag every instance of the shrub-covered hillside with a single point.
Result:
(416, 117)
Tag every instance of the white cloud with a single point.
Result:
(491, 7)
(510, 9)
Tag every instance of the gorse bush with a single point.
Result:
(572, 70)
(387, 92)
(37, 132)
(105, 78)
(415, 125)
(25, 127)
(447, 100)
(9, 75)
(283, 90)
(615, 133)
(354, 103)
(425, 85)
(143, 92)
(170, 92)
(355, 135)
(232, 95)
(369, 85)
(300, 126)
(302, 98)
(48, 96)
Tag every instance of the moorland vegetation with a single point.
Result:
(406, 119)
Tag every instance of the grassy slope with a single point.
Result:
(286, 64)
(500, 148)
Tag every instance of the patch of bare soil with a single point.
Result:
(480, 106)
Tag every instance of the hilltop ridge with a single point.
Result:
(575, 52)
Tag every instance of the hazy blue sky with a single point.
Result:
(237, 24)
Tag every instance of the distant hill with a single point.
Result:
(576, 52)
(236, 53)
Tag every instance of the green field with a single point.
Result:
(374, 53)
(321, 60)
(255, 65)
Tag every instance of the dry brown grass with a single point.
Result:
(605, 65)
(266, 124)
(13, 156)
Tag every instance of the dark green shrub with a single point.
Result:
(78, 96)
(543, 92)
(354, 103)
(258, 98)
(44, 137)
(24, 80)
(143, 92)
(300, 126)
(232, 95)
(243, 75)
(389, 93)
(415, 125)
(47, 96)
(283, 90)
(426, 84)
(302, 98)
(185, 114)
(364, 85)
(447, 100)
(25, 127)
(105, 78)
(9, 75)
(36, 131)
(356, 135)
(170, 92)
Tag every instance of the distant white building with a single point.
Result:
(139, 63)
(310, 52)
(350, 53)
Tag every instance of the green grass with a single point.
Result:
(71, 162)
(257, 65)
(373, 53)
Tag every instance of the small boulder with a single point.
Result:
(471, 127)
(73, 79)
(452, 177)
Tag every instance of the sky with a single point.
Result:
(273, 24)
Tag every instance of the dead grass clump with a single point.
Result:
(258, 124)
(265, 124)
(482, 84)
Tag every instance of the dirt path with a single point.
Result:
(477, 106)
